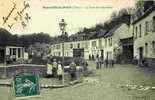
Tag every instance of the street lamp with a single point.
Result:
(62, 25)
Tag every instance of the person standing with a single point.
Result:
(49, 67)
(90, 57)
(106, 63)
(60, 70)
(97, 63)
(84, 64)
(54, 68)
(100, 62)
(72, 70)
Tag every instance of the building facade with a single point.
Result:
(104, 46)
(144, 37)
(113, 46)
(12, 53)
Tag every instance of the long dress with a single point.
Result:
(49, 69)
(60, 70)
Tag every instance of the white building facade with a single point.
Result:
(144, 37)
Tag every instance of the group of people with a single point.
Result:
(106, 63)
(101, 61)
(55, 68)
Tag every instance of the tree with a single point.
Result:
(144, 4)
(113, 15)
(123, 12)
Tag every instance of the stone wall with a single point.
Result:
(9, 71)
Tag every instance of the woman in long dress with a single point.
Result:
(60, 70)
(49, 68)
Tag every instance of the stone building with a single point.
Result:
(11, 53)
(144, 37)
(69, 47)
(113, 46)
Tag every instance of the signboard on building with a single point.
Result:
(78, 52)
(26, 86)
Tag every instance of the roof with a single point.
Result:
(13, 45)
(111, 32)
(101, 33)
(147, 12)
(92, 35)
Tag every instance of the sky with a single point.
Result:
(47, 20)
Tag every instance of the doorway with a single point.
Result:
(141, 53)
(2, 55)
(140, 56)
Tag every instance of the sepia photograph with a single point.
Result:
(77, 49)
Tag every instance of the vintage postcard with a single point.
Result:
(77, 49)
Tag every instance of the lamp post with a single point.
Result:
(62, 25)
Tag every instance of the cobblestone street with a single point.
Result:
(103, 84)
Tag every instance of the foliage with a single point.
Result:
(6, 38)
(39, 49)
(144, 4)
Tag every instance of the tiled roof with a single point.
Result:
(150, 10)
(111, 32)
(93, 35)
(101, 33)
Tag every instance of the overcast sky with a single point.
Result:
(46, 20)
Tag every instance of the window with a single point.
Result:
(78, 45)
(140, 30)
(71, 45)
(136, 32)
(146, 27)
(57, 46)
(153, 24)
(153, 45)
(109, 41)
(87, 45)
(54, 47)
(10, 51)
(133, 31)
(146, 49)
(100, 43)
(105, 42)
(153, 48)
(93, 43)
(19, 52)
(14, 51)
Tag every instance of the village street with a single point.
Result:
(103, 84)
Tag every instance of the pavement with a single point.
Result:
(123, 82)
